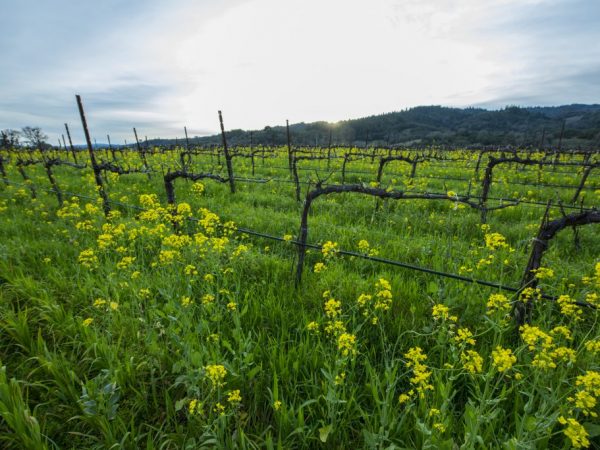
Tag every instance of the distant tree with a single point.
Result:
(9, 138)
(35, 137)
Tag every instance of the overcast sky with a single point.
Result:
(159, 65)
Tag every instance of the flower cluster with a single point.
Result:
(498, 303)
(373, 304)
(346, 344)
(575, 432)
(216, 373)
(329, 249)
(472, 361)
(198, 188)
(503, 359)
(365, 247)
(495, 241)
(332, 307)
(442, 312)
(543, 272)
(568, 307)
(421, 374)
(588, 391)
(547, 353)
(87, 258)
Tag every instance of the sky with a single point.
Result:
(161, 65)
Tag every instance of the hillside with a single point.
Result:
(428, 125)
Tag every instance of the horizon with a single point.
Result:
(161, 66)
(128, 142)
(96, 142)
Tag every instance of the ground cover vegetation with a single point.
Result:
(134, 316)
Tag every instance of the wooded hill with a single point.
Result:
(436, 125)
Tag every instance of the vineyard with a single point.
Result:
(299, 297)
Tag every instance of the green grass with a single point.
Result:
(136, 375)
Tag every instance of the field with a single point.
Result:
(179, 321)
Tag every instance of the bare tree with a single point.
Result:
(35, 137)
(9, 138)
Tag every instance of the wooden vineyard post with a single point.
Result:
(3, 171)
(26, 179)
(346, 156)
(141, 152)
(71, 144)
(252, 152)
(110, 147)
(227, 156)
(48, 163)
(65, 144)
(187, 141)
(586, 174)
(97, 174)
(329, 150)
(289, 144)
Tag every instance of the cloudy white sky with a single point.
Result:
(159, 65)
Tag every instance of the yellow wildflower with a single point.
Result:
(339, 379)
(494, 241)
(503, 359)
(319, 267)
(498, 303)
(335, 327)
(464, 335)
(543, 272)
(234, 396)
(568, 307)
(198, 188)
(313, 327)
(472, 361)
(403, 398)
(87, 258)
(333, 308)
(575, 432)
(216, 374)
(99, 302)
(329, 249)
(209, 278)
(347, 344)
(208, 299)
(125, 262)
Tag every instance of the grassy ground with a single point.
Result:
(123, 332)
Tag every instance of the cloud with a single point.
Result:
(161, 65)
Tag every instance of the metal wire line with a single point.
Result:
(391, 262)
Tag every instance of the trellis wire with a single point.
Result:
(391, 262)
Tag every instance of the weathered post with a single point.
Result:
(97, 173)
(289, 144)
(227, 156)
(71, 144)
(141, 152)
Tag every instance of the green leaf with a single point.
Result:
(593, 429)
(179, 404)
(432, 287)
(324, 432)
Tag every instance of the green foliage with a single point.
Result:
(127, 332)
